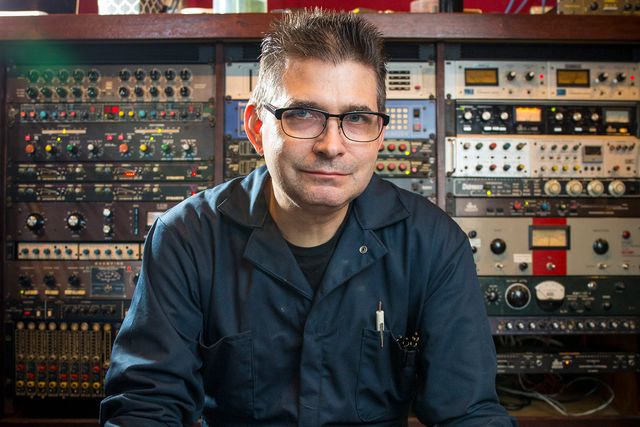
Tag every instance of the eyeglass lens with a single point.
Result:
(303, 123)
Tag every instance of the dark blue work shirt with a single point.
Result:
(224, 324)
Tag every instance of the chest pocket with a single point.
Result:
(386, 378)
(227, 373)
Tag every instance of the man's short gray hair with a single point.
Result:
(323, 35)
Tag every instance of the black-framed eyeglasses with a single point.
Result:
(309, 123)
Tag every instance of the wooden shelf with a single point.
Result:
(403, 26)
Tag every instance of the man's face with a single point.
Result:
(325, 173)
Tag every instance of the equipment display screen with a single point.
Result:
(573, 78)
(528, 114)
(616, 116)
(548, 237)
(481, 76)
(592, 154)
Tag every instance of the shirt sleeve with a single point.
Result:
(154, 378)
(458, 360)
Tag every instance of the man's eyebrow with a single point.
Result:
(298, 103)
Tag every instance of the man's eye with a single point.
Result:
(358, 118)
(300, 114)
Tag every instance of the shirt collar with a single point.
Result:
(379, 204)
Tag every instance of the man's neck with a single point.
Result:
(302, 227)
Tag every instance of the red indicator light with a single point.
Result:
(109, 137)
(107, 109)
(120, 137)
(542, 76)
(115, 109)
(23, 114)
(194, 173)
(632, 77)
(129, 174)
(27, 138)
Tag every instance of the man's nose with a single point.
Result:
(332, 141)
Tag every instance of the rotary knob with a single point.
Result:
(123, 92)
(621, 77)
(595, 117)
(49, 280)
(62, 92)
(35, 222)
(185, 74)
(559, 116)
(504, 116)
(491, 295)
(603, 77)
(552, 187)
(616, 188)
(168, 91)
(154, 74)
(511, 75)
(498, 246)
(468, 115)
(139, 74)
(486, 115)
(153, 91)
(74, 281)
(170, 74)
(185, 91)
(24, 281)
(600, 246)
(577, 116)
(94, 75)
(75, 221)
(595, 188)
(518, 296)
(138, 91)
(574, 188)
(529, 76)
(124, 74)
(77, 92)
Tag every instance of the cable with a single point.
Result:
(557, 405)
(542, 6)
(509, 6)
(523, 4)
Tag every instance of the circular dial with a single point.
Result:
(498, 246)
(75, 221)
(518, 296)
(35, 222)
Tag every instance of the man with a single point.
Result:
(310, 293)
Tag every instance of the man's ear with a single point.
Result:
(253, 127)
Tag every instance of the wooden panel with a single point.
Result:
(446, 27)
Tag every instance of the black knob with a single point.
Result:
(491, 295)
(523, 266)
(170, 74)
(124, 74)
(185, 74)
(154, 74)
(498, 246)
(47, 75)
(139, 74)
(511, 75)
(153, 91)
(24, 281)
(46, 92)
(594, 6)
(35, 222)
(139, 91)
(63, 75)
(75, 221)
(62, 92)
(94, 75)
(529, 76)
(603, 76)
(123, 92)
(32, 92)
(472, 234)
(185, 91)
(93, 92)
(78, 75)
(168, 91)
(74, 281)
(77, 92)
(518, 295)
(621, 77)
(49, 281)
(606, 305)
(600, 246)
(33, 75)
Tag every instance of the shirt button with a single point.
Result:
(363, 249)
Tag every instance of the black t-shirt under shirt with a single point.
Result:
(313, 261)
